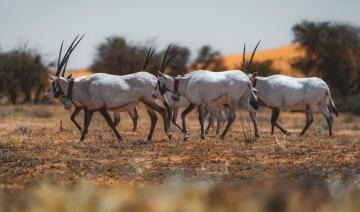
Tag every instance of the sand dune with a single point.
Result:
(282, 57)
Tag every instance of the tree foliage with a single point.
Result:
(209, 59)
(332, 52)
(263, 68)
(117, 56)
(22, 74)
(179, 63)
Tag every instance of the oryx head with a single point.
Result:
(252, 77)
(247, 69)
(163, 79)
(55, 91)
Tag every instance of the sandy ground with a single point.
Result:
(33, 148)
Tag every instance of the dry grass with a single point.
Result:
(228, 169)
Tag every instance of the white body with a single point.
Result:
(292, 93)
(215, 88)
(115, 93)
(99, 92)
(284, 92)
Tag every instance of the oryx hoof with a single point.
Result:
(146, 141)
(169, 134)
(78, 144)
(186, 136)
(222, 137)
(257, 135)
(288, 133)
(206, 132)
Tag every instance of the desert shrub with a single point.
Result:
(351, 104)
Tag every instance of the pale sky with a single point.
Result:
(225, 24)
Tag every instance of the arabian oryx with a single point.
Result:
(284, 92)
(205, 87)
(132, 113)
(104, 92)
(57, 93)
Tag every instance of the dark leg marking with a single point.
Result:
(134, 116)
(163, 113)
(309, 119)
(201, 120)
(153, 118)
(274, 118)
(107, 117)
(232, 116)
(174, 118)
(87, 118)
(117, 118)
(183, 116)
(210, 124)
(73, 115)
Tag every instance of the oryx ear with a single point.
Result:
(254, 74)
(51, 77)
(160, 73)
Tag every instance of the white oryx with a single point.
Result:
(284, 92)
(50, 94)
(104, 92)
(205, 87)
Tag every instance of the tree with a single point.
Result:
(22, 73)
(117, 56)
(332, 52)
(209, 59)
(178, 64)
(263, 68)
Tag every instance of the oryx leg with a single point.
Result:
(210, 124)
(168, 111)
(134, 116)
(73, 115)
(183, 116)
(329, 119)
(151, 104)
(201, 120)
(232, 116)
(274, 117)
(219, 121)
(87, 118)
(153, 118)
(252, 114)
(117, 118)
(111, 124)
(309, 119)
(174, 118)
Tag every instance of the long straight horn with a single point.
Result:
(61, 64)
(167, 62)
(59, 57)
(252, 55)
(70, 50)
(147, 58)
(162, 69)
(243, 61)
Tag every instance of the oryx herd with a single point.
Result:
(214, 93)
